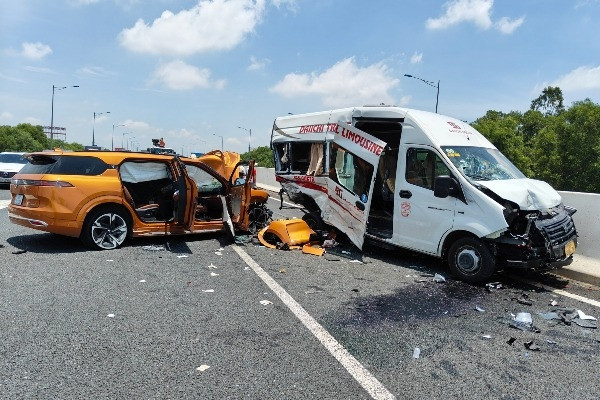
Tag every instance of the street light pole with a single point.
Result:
(437, 97)
(123, 139)
(249, 136)
(221, 140)
(130, 140)
(112, 138)
(94, 126)
(52, 116)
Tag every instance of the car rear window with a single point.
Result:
(12, 158)
(65, 165)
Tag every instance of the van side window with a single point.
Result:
(350, 171)
(304, 158)
(422, 166)
(282, 158)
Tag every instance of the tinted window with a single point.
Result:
(12, 159)
(64, 165)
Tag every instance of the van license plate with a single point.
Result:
(569, 248)
(18, 200)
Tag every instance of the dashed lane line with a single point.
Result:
(358, 372)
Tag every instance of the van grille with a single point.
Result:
(558, 229)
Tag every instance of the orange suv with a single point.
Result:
(106, 197)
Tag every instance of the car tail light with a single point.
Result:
(31, 182)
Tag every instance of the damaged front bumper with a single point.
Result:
(546, 244)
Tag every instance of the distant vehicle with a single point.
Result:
(105, 197)
(10, 164)
(158, 147)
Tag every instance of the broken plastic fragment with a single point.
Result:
(111, 315)
(486, 336)
(203, 368)
(282, 270)
(493, 286)
(554, 303)
(214, 274)
(142, 281)
(329, 243)
(110, 260)
(211, 266)
(511, 341)
(218, 253)
(531, 346)
(182, 256)
(356, 261)
(439, 278)
(265, 302)
(586, 323)
(479, 309)
(153, 248)
(209, 291)
(19, 251)
(582, 315)
(416, 352)
(524, 317)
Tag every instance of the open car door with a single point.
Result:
(187, 197)
(240, 193)
(353, 160)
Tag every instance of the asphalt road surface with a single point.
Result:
(209, 319)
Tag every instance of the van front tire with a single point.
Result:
(105, 228)
(470, 260)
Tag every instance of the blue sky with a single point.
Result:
(193, 70)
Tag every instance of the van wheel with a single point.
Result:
(470, 260)
(314, 221)
(105, 229)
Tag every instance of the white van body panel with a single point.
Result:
(529, 194)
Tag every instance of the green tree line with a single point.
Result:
(28, 138)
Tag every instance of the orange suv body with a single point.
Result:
(106, 197)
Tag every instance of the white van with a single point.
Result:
(421, 181)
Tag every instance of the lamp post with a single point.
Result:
(52, 116)
(94, 126)
(112, 138)
(221, 140)
(123, 139)
(130, 140)
(249, 135)
(430, 84)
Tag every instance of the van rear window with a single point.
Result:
(64, 165)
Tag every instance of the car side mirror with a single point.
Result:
(444, 186)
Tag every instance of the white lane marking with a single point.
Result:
(358, 372)
(4, 204)
(560, 292)
(286, 203)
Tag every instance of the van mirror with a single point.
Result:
(444, 186)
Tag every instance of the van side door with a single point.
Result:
(423, 219)
(353, 159)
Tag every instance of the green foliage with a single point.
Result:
(29, 138)
(263, 156)
(560, 146)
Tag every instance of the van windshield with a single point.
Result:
(482, 164)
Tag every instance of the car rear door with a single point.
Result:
(188, 196)
(240, 193)
(353, 159)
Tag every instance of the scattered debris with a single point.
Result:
(203, 368)
(282, 270)
(416, 352)
(356, 261)
(265, 302)
(214, 274)
(317, 251)
(523, 322)
(142, 281)
(551, 342)
(211, 266)
(330, 243)
(355, 290)
(569, 316)
(218, 253)
(511, 341)
(111, 315)
(153, 248)
(242, 239)
(182, 256)
(110, 260)
(207, 290)
(486, 336)
(554, 303)
(524, 299)
(439, 278)
(493, 286)
(19, 251)
(531, 346)
(479, 309)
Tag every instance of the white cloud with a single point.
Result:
(38, 69)
(93, 71)
(208, 26)
(178, 75)
(256, 64)
(35, 51)
(477, 12)
(344, 84)
(5, 116)
(416, 58)
(290, 4)
(508, 26)
(582, 78)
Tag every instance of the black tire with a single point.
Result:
(314, 221)
(470, 260)
(105, 228)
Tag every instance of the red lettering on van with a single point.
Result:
(362, 141)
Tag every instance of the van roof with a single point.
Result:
(441, 130)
